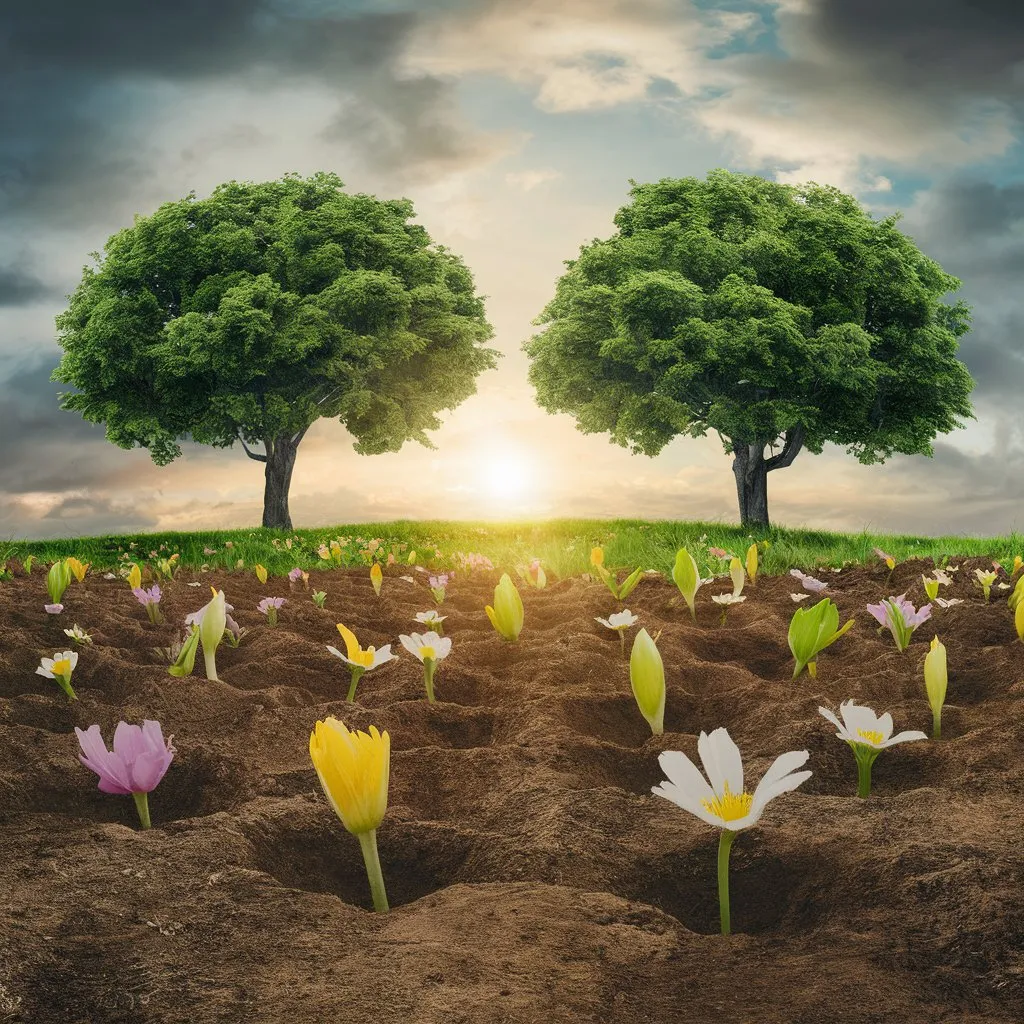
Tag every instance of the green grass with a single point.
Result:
(563, 545)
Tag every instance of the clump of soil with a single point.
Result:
(532, 874)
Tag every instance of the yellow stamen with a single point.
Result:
(62, 667)
(428, 652)
(871, 736)
(729, 806)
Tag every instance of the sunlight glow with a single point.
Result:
(507, 476)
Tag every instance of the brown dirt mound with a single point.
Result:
(533, 876)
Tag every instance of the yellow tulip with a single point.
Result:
(353, 768)
(736, 572)
(935, 681)
(376, 578)
(135, 577)
(77, 568)
(752, 564)
(507, 613)
(647, 678)
(597, 557)
(261, 573)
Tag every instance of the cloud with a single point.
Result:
(529, 180)
(18, 287)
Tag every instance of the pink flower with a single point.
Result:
(815, 586)
(148, 597)
(294, 574)
(718, 552)
(137, 763)
(54, 609)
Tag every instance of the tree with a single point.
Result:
(781, 317)
(249, 315)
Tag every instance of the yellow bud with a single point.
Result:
(647, 678)
(931, 587)
(261, 573)
(597, 557)
(736, 572)
(752, 563)
(935, 680)
(135, 577)
(376, 578)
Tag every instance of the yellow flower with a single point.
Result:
(355, 654)
(354, 768)
(752, 563)
(376, 578)
(935, 681)
(1018, 619)
(261, 573)
(135, 577)
(77, 568)
(507, 614)
(597, 557)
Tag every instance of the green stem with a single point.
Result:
(210, 658)
(429, 664)
(64, 682)
(937, 724)
(724, 847)
(368, 842)
(865, 759)
(142, 806)
(357, 673)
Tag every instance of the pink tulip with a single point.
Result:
(139, 760)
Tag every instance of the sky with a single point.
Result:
(514, 127)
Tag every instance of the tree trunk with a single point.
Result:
(280, 462)
(751, 471)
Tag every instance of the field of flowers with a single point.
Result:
(567, 789)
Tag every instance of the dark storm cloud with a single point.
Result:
(19, 287)
(945, 45)
(83, 80)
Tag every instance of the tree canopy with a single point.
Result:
(247, 315)
(772, 314)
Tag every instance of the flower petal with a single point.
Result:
(904, 737)
(685, 775)
(722, 761)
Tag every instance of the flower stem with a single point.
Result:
(64, 682)
(622, 641)
(209, 657)
(937, 724)
(142, 806)
(724, 847)
(865, 756)
(368, 842)
(429, 664)
(357, 672)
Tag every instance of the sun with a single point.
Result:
(507, 476)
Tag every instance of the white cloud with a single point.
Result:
(529, 180)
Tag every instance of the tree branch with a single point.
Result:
(252, 455)
(791, 449)
(299, 436)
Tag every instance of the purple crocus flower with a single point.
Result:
(150, 599)
(269, 607)
(139, 760)
(900, 616)
(815, 586)
(295, 574)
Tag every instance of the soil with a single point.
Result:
(532, 874)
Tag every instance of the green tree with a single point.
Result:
(249, 315)
(781, 317)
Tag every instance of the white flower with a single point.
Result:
(724, 803)
(731, 598)
(948, 602)
(78, 634)
(65, 663)
(861, 725)
(799, 597)
(618, 620)
(427, 645)
(430, 617)
(379, 657)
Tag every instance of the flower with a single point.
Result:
(58, 579)
(800, 597)
(597, 557)
(687, 579)
(811, 630)
(815, 586)
(54, 609)
(136, 764)
(618, 621)
(868, 735)
(647, 679)
(900, 616)
(78, 634)
(506, 614)
(361, 661)
(59, 668)
(211, 630)
(150, 600)
(134, 576)
(737, 575)
(724, 802)
(376, 577)
(1018, 619)
(438, 585)
(432, 619)
(261, 573)
(77, 568)
(725, 600)
(269, 606)
(888, 559)
(752, 564)
(935, 681)
(319, 596)
(536, 574)
(354, 768)
(718, 552)
(429, 648)
(985, 580)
